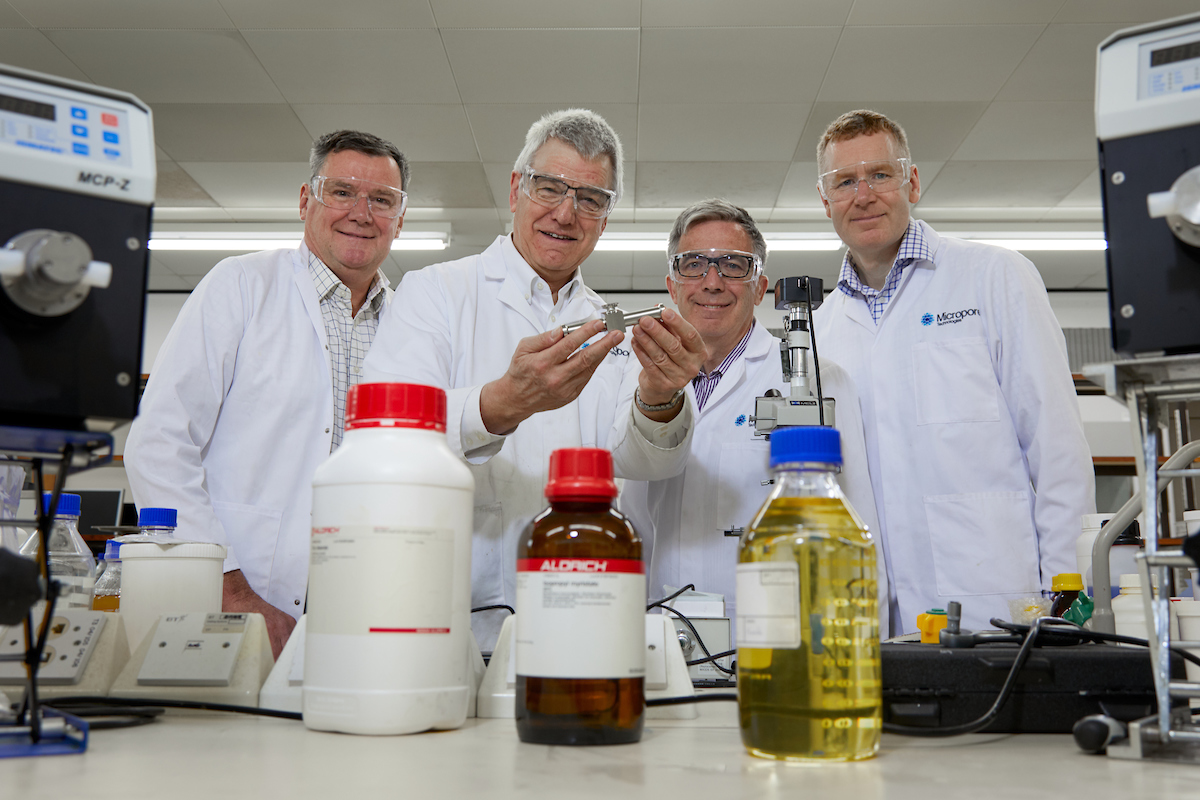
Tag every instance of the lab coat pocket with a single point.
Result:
(954, 382)
(742, 467)
(252, 536)
(983, 543)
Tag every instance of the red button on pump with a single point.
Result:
(109, 119)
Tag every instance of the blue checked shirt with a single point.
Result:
(913, 247)
(348, 336)
(706, 382)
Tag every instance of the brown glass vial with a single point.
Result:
(580, 629)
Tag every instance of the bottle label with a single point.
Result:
(768, 604)
(581, 617)
(369, 579)
(76, 590)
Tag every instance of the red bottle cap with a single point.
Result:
(396, 405)
(583, 473)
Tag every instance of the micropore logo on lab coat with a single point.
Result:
(949, 317)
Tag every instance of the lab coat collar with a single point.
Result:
(312, 304)
(327, 283)
(520, 279)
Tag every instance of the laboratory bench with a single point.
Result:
(198, 755)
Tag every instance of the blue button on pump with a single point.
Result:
(79, 130)
(80, 148)
(78, 113)
(111, 137)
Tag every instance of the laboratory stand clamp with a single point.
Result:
(615, 319)
(797, 297)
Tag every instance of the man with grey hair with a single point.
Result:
(488, 330)
(248, 393)
(692, 521)
(977, 451)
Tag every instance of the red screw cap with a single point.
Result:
(395, 405)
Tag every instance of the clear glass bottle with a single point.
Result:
(809, 670)
(581, 605)
(71, 562)
(160, 521)
(108, 586)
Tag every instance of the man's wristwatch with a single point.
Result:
(649, 409)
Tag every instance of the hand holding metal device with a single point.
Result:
(617, 320)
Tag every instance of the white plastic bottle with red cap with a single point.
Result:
(389, 586)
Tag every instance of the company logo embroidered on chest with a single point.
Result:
(948, 317)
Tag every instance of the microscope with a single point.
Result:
(797, 297)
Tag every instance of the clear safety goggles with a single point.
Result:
(343, 193)
(592, 202)
(732, 265)
(881, 177)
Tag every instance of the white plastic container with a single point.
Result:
(389, 597)
(1129, 611)
(167, 577)
(1121, 558)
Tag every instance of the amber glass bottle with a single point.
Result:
(580, 630)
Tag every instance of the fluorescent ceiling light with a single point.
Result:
(267, 242)
(779, 245)
(632, 245)
(1046, 244)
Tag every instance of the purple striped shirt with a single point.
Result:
(706, 382)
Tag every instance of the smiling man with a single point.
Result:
(692, 521)
(977, 454)
(248, 393)
(487, 329)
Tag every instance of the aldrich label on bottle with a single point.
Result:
(581, 617)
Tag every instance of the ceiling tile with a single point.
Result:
(984, 184)
(162, 280)
(30, 49)
(449, 184)
(324, 15)
(422, 132)
(176, 188)
(1098, 280)
(762, 13)
(230, 132)
(500, 128)
(679, 184)
(170, 66)
(648, 263)
(190, 263)
(772, 65)
(1067, 269)
(934, 130)
(950, 12)
(647, 283)
(9, 18)
(251, 185)
(521, 66)
(1123, 10)
(800, 187)
(1086, 194)
(536, 14)
(409, 260)
(965, 62)
(719, 132)
(1061, 66)
(124, 14)
(823, 264)
(609, 283)
(1032, 131)
(499, 181)
(417, 71)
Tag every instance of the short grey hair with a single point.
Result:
(586, 131)
(716, 208)
(365, 143)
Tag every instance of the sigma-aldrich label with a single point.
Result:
(581, 618)
(768, 604)
(404, 578)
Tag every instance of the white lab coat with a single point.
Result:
(237, 415)
(456, 325)
(976, 448)
(684, 519)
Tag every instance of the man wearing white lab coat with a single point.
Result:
(692, 521)
(487, 328)
(977, 453)
(247, 395)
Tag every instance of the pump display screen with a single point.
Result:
(1169, 66)
(1169, 55)
(30, 108)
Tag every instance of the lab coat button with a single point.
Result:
(327, 430)
(297, 602)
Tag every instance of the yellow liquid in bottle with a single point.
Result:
(821, 701)
(108, 602)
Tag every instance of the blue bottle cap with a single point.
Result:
(112, 550)
(68, 504)
(811, 443)
(157, 518)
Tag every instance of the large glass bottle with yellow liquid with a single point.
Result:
(807, 615)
